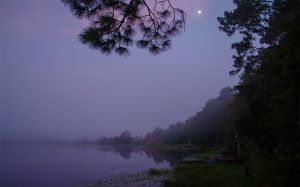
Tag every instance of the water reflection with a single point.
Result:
(157, 155)
(63, 165)
(123, 151)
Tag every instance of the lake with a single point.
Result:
(69, 165)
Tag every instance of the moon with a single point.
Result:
(199, 12)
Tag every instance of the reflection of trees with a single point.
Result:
(161, 155)
(123, 151)
(158, 155)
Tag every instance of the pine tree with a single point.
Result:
(267, 102)
(115, 25)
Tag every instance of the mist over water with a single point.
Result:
(64, 166)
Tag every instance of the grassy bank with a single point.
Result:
(208, 175)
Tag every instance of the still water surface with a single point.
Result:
(64, 166)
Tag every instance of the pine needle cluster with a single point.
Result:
(116, 25)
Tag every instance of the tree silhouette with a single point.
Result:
(114, 24)
(267, 100)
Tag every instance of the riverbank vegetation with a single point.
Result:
(207, 175)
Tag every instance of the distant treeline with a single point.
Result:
(208, 127)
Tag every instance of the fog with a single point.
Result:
(53, 87)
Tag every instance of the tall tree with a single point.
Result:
(267, 104)
(114, 23)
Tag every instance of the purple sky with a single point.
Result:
(52, 86)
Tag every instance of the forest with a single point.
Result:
(208, 127)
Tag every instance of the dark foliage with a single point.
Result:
(267, 102)
(124, 139)
(207, 127)
(114, 23)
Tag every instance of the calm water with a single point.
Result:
(64, 166)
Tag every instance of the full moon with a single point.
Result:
(199, 12)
